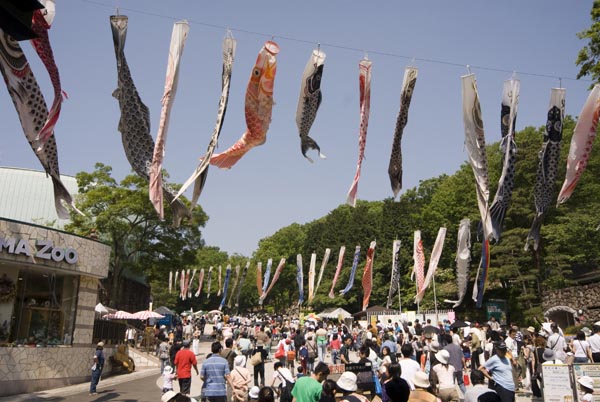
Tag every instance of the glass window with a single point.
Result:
(44, 309)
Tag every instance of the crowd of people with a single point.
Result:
(396, 362)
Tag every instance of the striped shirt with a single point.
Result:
(213, 371)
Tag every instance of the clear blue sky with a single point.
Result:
(273, 185)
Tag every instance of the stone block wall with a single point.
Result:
(25, 370)
(84, 319)
(582, 297)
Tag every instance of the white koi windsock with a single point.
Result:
(323, 264)
(311, 276)
(436, 253)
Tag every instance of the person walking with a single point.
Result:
(240, 379)
(457, 360)
(215, 375)
(499, 369)
(581, 348)
(347, 384)
(308, 388)
(184, 361)
(594, 341)
(163, 354)
(443, 377)
(259, 368)
(97, 367)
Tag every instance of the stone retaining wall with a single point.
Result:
(583, 297)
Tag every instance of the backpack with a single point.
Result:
(489, 396)
(286, 390)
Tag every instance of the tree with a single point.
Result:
(121, 215)
(589, 57)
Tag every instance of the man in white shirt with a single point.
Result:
(408, 366)
(557, 343)
(511, 343)
(594, 341)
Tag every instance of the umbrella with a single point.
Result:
(312, 317)
(146, 314)
(120, 315)
(431, 329)
(459, 324)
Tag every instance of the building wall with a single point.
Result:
(84, 320)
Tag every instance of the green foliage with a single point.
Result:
(589, 57)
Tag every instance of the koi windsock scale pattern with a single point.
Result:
(178, 37)
(338, 269)
(198, 178)
(581, 144)
(170, 281)
(225, 286)
(278, 271)
(508, 146)
(41, 22)
(259, 278)
(323, 265)
(33, 114)
(436, 253)
(418, 272)
(220, 281)
(311, 276)
(395, 166)
(463, 259)
(189, 292)
(395, 276)
(475, 146)
(258, 107)
(242, 279)
(352, 272)
(367, 279)
(300, 279)
(200, 280)
(364, 84)
(549, 155)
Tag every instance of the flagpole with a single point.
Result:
(435, 299)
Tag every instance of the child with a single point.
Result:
(300, 372)
(168, 377)
(586, 384)
(303, 352)
(253, 394)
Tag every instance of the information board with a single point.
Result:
(591, 370)
(558, 385)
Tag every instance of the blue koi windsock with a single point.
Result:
(353, 272)
(225, 285)
(267, 275)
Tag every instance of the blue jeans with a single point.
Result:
(95, 380)
(321, 351)
(334, 355)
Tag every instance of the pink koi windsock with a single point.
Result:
(180, 31)
(338, 269)
(259, 278)
(419, 258)
(200, 280)
(436, 253)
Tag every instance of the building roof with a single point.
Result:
(27, 195)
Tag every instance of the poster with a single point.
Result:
(591, 370)
(496, 308)
(558, 386)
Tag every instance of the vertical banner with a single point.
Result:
(395, 276)
(353, 272)
(300, 279)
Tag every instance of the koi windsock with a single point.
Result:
(581, 144)
(352, 272)
(200, 174)
(267, 275)
(482, 273)
(367, 279)
(364, 84)
(323, 264)
(463, 259)
(178, 37)
(220, 281)
(41, 22)
(235, 285)
(395, 166)
(475, 146)
(338, 269)
(242, 279)
(182, 284)
(209, 282)
(170, 281)
(200, 280)
(549, 155)
(311, 276)
(259, 278)
(225, 286)
(186, 284)
(436, 253)
(300, 279)
(508, 117)
(189, 292)
(418, 272)
(274, 281)
(395, 276)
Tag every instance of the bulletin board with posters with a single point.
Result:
(496, 308)
(591, 370)
(558, 384)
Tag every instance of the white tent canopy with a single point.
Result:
(335, 313)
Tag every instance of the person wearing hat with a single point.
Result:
(594, 341)
(422, 391)
(168, 377)
(259, 369)
(443, 377)
(253, 394)
(172, 396)
(499, 369)
(184, 361)
(550, 357)
(97, 367)
(347, 385)
(586, 385)
(240, 379)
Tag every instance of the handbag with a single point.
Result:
(256, 359)
(280, 352)
(378, 390)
